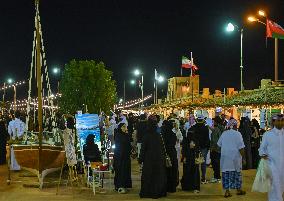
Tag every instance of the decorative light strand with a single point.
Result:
(132, 102)
(13, 85)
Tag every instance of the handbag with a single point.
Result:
(199, 159)
(168, 159)
(263, 178)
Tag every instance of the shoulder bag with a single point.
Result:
(168, 159)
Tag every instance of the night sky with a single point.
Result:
(145, 34)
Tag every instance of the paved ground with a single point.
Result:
(16, 191)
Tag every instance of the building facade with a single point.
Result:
(181, 87)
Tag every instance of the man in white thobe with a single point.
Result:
(16, 129)
(272, 149)
(232, 149)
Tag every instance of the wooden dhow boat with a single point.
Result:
(35, 156)
(29, 159)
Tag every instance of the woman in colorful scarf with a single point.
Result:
(232, 150)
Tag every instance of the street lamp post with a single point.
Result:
(241, 66)
(4, 91)
(10, 81)
(155, 87)
(142, 90)
(254, 19)
(56, 71)
(158, 78)
(137, 73)
(231, 28)
(123, 93)
(132, 82)
(15, 97)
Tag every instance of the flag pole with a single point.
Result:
(181, 71)
(276, 59)
(191, 60)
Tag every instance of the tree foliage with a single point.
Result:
(87, 83)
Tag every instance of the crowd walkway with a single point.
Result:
(16, 192)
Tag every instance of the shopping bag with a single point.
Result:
(199, 159)
(262, 181)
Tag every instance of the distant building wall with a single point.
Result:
(180, 87)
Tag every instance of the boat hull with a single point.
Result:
(28, 156)
(52, 159)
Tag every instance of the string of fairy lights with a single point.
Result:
(22, 104)
(132, 103)
(12, 85)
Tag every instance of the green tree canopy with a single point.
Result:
(89, 83)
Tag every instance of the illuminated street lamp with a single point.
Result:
(132, 82)
(252, 19)
(56, 70)
(230, 28)
(158, 79)
(161, 78)
(261, 13)
(10, 81)
(137, 73)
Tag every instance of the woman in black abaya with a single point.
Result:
(245, 130)
(170, 140)
(122, 161)
(191, 176)
(3, 140)
(152, 156)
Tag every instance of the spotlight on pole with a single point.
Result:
(10, 81)
(261, 13)
(132, 82)
(161, 79)
(136, 72)
(230, 27)
(252, 19)
(55, 70)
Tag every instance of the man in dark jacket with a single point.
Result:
(215, 150)
(201, 134)
(141, 129)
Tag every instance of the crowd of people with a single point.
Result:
(164, 146)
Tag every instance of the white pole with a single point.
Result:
(142, 92)
(224, 95)
(241, 66)
(155, 87)
(154, 97)
(15, 98)
(156, 92)
(191, 60)
(123, 94)
(276, 60)
(4, 91)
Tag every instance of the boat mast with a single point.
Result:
(39, 84)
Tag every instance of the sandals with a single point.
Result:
(227, 194)
(241, 192)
